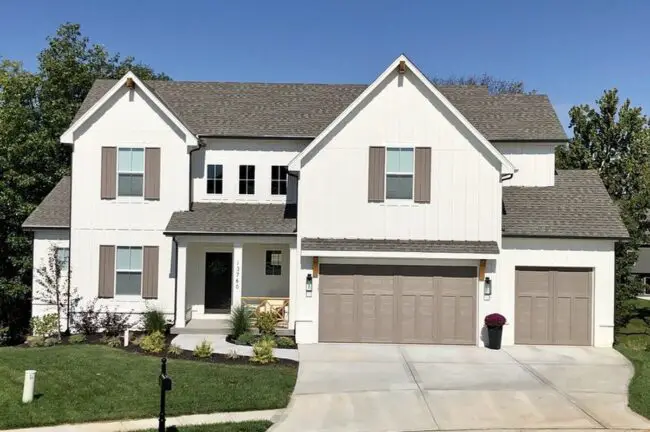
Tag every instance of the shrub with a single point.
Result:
(265, 322)
(87, 321)
(247, 338)
(4, 336)
(115, 323)
(263, 351)
(154, 321)
(495, 320)
(153, 343)
(240, 321)
(45, 326)
(51, 341)
(174, 350)
(35, 341)
(77, 339)
(203, 350)
(138, 341)
(285, 342)
(112, 341)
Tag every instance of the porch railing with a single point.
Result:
(279, 306)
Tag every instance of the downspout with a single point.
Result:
(201, 145)
(505, 177)
(175, 277)
(69, 244)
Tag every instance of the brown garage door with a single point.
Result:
(553, 306)
(399, 304)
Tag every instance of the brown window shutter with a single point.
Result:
(109, 172)
(150, 272)
(422, 186)
(376, 174)
(106, 271)
(152, 173)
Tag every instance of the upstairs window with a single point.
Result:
(215, 179)
(128, 271)
(130, 172)
(246, 179)
(63, 258)
(278, 180)
(399, 173)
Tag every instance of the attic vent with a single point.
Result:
(130, 83)
(402, 67)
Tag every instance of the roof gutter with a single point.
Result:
(201, 145)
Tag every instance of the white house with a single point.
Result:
(394, 212)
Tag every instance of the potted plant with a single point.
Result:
(494, 323)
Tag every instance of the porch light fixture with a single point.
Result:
(487, 287)
(308, 284)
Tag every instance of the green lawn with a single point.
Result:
(82, 383)
(250, 426)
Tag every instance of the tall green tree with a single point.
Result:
(35, 109)
(614, 139)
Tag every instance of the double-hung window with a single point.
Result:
(278, 180)
(130, 172)
(128, 271)
(399, 173)
(273, 263)
(215, 179)
(246, 179)
(63, 258)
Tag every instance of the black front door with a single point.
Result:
(218, 277)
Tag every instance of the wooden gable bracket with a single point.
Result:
(314, 267)
(481, 270)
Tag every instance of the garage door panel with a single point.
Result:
(377, 319)
(417, 318)
(337, 318)
(335, 284)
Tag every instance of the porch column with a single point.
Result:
(237, 259)
(181, 277)
(293, 282)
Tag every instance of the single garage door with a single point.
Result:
(553, 306)
(397, 304)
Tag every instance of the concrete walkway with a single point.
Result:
(220, 346)
(133, 425)
(354, 387)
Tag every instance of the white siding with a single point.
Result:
(43, 241)
(535, 163)
(466, 188)
(233, 152)
(595, 254)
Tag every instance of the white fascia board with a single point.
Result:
(396, 255)
(68, 136)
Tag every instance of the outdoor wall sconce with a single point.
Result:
(308, 285)
(487, 287)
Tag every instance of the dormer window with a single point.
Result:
(215, 179)
(278, 180)
(247, 179)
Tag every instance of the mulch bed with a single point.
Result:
(233, 341)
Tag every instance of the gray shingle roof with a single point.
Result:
(304, 110)
(234, 218)
(422, 246)
(577, 206)
(54, 210)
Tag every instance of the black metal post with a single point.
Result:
(163, 374)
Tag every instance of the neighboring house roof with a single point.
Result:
(577, 206)
(54, 210)
(305, 110)
(234, 218)
(424, 246)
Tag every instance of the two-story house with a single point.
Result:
(395, 212)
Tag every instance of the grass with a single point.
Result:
(249, 426)
(83, 383)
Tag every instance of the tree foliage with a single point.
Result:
(35, 109)
(614, 139)
(495, 85)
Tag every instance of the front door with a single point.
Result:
(218, 278)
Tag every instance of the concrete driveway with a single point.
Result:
(354, 387)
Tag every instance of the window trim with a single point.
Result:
(387, 173)
(246, 179)
(116, 270)
(280, 180)
(118, 172)
(208, 179)
(268, 262)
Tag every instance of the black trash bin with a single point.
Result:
(494, 337)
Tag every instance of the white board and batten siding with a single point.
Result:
(465, 185)
(535, 163)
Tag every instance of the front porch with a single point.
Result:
(216, 273)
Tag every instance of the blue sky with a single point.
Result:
(570, 50)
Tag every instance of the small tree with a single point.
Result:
(55, 290)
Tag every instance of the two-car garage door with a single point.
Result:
(399, 304)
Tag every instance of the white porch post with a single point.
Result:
(293, 282)
(181, 277)
(237, 261)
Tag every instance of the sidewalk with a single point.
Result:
(220, 346)
(133, 425)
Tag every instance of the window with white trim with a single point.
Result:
(130, 172)
(278, 180)
(128, 271)
(246, 179)
(63, 258)
(215, 179)
(273, 263)
(399, 173)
